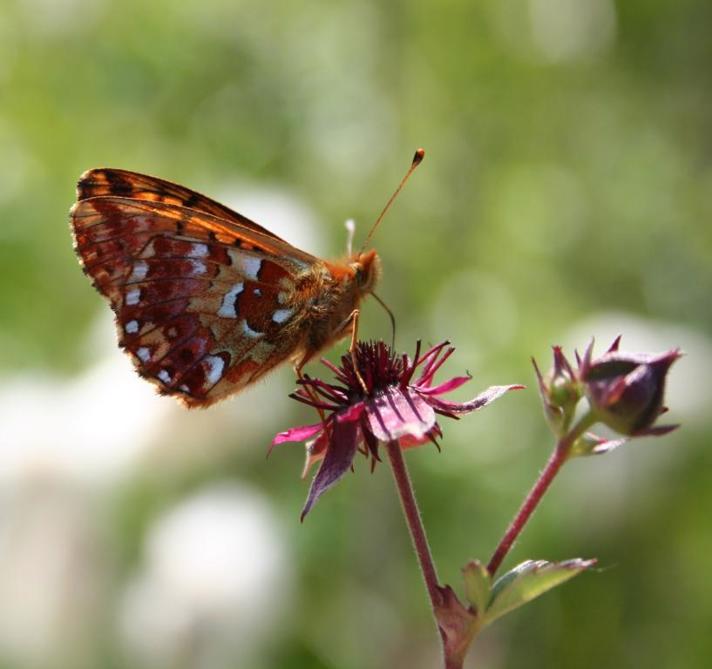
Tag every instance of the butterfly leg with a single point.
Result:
(353, 317)
(309, 391)
(313, 397)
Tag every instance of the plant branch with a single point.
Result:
(532, 500)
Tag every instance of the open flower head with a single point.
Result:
(399, 403)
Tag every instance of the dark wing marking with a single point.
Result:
(106, 181)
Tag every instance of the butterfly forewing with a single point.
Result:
(205, 300)
(100, 182)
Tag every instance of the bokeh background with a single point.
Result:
(566, 192)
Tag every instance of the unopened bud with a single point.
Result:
(626, 389)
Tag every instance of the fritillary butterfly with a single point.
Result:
(206, 300)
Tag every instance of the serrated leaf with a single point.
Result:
(477, 585)
(529, 580)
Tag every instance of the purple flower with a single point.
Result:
(626, 389)
(394, 406)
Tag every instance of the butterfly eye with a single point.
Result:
(360, 274)
(366, 270)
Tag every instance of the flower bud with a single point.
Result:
(626, 389)
(560, 392)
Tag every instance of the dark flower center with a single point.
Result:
(378, 365)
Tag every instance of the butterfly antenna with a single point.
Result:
(417, 159)
(391, 316)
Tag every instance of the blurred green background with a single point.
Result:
(566, 192)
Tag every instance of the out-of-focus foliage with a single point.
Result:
(566, 192)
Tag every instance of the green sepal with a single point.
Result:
(478, 585)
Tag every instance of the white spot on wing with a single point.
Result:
(131, 327)
(133, 296)
(227, 308)
(215, 365)
(282, 315)
(164, 376)
(139, 271)
(143, 353)
(197, 266)
(248, 265)
(198, 250)
(249, 332)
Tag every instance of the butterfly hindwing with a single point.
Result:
(204, 305)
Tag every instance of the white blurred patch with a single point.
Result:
(558, 31)
(567, 30)
(214, 584)
(61, 17)
(279, 211)
(52, 575)
(90, 428)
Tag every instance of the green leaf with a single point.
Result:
(477, 585)
(529, 580)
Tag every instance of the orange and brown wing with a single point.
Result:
(108, 181)
(204, 306)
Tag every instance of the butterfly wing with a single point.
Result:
(204, 305)
(107, 181)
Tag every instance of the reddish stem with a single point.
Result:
(454, 622)
(415, 523)
(531, 501)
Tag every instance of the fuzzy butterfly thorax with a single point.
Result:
(206, 300)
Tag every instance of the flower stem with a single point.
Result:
(415, 523)
(455, 623)
(531, 501)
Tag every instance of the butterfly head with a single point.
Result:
(367, 270)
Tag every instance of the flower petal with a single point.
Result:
(339, 456)
(315, 451)
(395, 413)
(351, 413)
(482, 400)
(446, 387)
(301, 433)
(410, 441)
(655, 431)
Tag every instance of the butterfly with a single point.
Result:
(206, 300)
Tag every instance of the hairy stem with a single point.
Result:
(531, 501)
(420, 543)
(415, 523)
